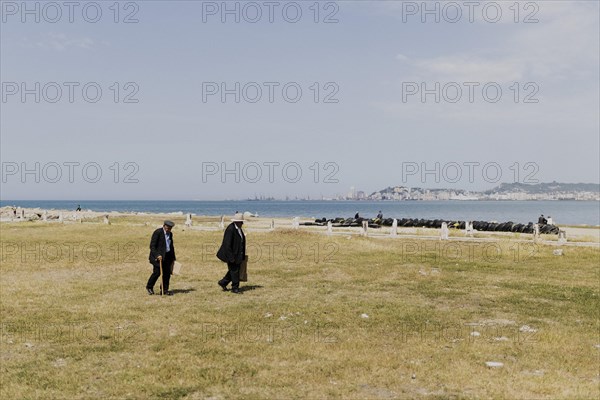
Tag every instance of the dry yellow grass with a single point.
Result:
(321, 317)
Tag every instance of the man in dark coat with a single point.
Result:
(233, 252)
(161, 248)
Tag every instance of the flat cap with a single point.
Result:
(169, 223)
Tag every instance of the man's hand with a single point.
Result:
(159, 258)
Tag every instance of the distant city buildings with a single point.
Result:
(502, 192)
(514, 191)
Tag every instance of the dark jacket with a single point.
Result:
(158, 246)
(233, 248)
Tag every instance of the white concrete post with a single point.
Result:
(469, 228)
(329, 228)
(562, 236)
(444, 232)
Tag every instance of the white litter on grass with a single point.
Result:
(364, 316)
(537, 372)
(282, 318)
(268, 315)
(494, 364)
(558, 252)
(475, 333)
(59, 362)
(28, 345)
(527, 328)
(501, 339)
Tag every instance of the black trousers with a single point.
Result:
(167, 261)
(232, 275)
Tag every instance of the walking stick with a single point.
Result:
(161, 277)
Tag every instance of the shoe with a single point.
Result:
(223, 285)
(236, 291)
(150, 291)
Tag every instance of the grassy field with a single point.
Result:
(320, 317)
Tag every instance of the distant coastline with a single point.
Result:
(563, 212)
(506, 191)
(552, 191)
(420, 200)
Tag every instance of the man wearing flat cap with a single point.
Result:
(233, 252)
(161, 248)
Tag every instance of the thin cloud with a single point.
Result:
(563, 45)
(470, 68)
(62, 42)
(559, 54)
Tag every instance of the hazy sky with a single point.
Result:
(294, 98)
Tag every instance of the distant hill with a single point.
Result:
(505, 191)
(547, 188)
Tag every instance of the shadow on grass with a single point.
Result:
(184, 291)
(249, 288)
